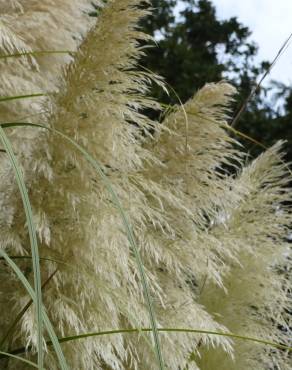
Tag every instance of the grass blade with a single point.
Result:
(36, 53)
(18, 317)
(178, 330)
(18, 97)
(33, 242)
(49, 327)
(165, 330)
(5, 354)
(127, 226)
(258, 85)
(180, 104)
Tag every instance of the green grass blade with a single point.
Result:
(18, 97)
(127, 226)
(177, 330)
(49, 327)
(55, 343)
(36, 53)
(19, 316)
(5, 354)
(89, 272)
(33, 242)
(132, 241)
(164, 330)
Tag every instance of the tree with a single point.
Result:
(122, 205)
(197, 48)
(189, 50)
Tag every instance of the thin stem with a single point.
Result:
(258, 85)
(171, 330)
(22, 312)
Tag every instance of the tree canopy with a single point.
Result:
(195, 47)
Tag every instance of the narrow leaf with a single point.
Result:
(48, 325)
(18, 97)
(22, 312)
(36, 53)
(5, 354)
(33, 242)
(165, 330)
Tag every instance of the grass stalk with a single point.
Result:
(18, 97)
(6, 354)
(47, 323)
(36, 53)
(33, 242)
(164, 330)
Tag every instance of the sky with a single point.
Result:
(271, 24)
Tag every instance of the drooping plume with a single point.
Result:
(199, 218)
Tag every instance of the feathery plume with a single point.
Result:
(211, 240)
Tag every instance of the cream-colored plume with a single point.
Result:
(211, 232)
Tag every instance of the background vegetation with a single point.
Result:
(196, 47)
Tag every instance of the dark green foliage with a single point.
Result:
(188, 55)
(196, 47)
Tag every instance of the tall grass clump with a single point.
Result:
(128, 243)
